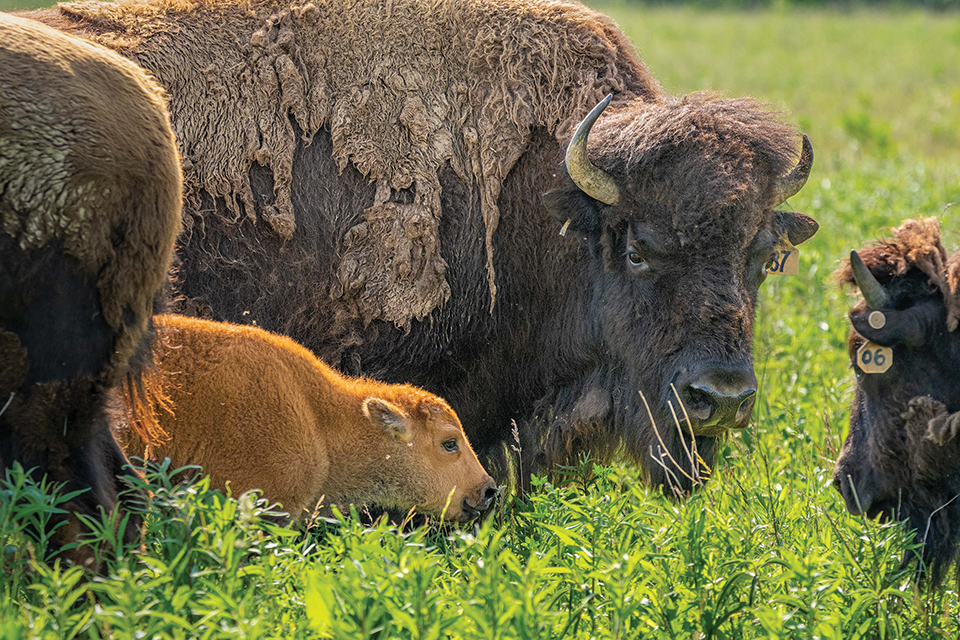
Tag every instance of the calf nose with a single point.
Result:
(487, 493)
(720, 398)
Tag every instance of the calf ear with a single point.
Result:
(576, 212)
(388, 417)
(796, 226)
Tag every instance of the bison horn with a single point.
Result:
(873, 292)
(788, 185)
(592, 180)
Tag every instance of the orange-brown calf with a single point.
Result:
(258, 411)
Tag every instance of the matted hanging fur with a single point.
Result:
(405, 88)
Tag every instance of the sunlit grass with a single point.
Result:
(765, 551)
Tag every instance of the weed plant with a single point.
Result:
(765, 550)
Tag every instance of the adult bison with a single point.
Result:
(902, 457)
(90, 197)
(366, 177)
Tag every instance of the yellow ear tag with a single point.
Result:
(872, 358)
(786, 259)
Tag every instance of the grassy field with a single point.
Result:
(766, 551)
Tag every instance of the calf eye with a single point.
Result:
(450, 445)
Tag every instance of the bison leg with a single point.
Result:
(61, 431)
(55, 352)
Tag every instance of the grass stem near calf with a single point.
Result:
(90, 193)
(256, 410)
(901, 459)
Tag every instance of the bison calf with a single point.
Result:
(902, 457)
(259, 411)
(90, 194)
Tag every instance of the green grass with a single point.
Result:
(23, 5)
(765, 551)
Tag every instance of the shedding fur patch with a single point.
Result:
(391, 266)
(405, 88)
(916, 245)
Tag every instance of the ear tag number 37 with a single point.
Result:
(786, 259)
(872, 358)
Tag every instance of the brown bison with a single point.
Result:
(90, 197)
(901, 459)
(366, 177)
(258, 411)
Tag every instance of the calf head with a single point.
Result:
(431, 465)
(677, 209)
(901, 459)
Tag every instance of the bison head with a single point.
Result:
(901, 459)
(676, 204)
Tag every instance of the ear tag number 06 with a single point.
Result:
(786, 259)
(872, 358)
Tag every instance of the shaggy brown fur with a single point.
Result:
(257, 411)
(902, 456)
(414, 139)
(404, 87)
(917, 245)
(90, 196)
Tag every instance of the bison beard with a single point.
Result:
(900, 459)
(397, 153)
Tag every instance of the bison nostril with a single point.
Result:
(857, 496)
(698, 401)
(713, 405)
(719, 397)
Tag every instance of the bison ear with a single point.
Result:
(798, 227)
(573, 209)
(388, 417)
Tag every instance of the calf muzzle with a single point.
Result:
(487, 493)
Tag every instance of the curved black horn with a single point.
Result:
(592, 180)
(873, 292)
(789, 184)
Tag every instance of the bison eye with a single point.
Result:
(450, 445)
(635, 258)
(762, 273)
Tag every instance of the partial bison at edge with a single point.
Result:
(90, 196)
(368, 178)
(901, 459)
